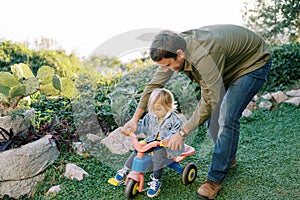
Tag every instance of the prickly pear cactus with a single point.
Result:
(10, 86)
(56, 82)
(21, 71)
(45, 74)
(22, 82)
(32, 85)
(49, 82)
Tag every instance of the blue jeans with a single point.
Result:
(236, 99)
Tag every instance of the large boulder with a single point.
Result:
(23, 167)
(117, 142)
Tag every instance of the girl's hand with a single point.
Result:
(129, 128)
(164, 142)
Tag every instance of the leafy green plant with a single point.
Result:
(13, 53)
(12, 140)
(285, 68)
(60, 130)
(21, 83)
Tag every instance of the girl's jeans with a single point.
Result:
(236, 99)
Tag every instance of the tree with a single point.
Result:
(274, 20)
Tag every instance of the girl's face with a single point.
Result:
(159, 111)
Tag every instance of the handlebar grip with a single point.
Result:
(131, 133)
(142, 142)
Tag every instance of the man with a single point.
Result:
(231, 64)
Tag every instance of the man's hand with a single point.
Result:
(129, 128)
(175, 142)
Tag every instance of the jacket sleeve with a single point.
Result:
(159, 79)
(143, 125)
(212, 86)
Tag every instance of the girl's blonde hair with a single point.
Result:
(163, 97)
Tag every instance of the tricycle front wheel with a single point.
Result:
(131, 189)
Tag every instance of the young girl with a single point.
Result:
(159, 124)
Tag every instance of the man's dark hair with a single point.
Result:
(165, 45)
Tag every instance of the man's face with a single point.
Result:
(171, 64)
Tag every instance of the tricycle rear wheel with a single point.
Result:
(189, 174)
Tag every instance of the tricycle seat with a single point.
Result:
(188, 151)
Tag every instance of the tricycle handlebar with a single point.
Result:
(144, 147)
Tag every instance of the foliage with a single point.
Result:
(105, 65)
(21, 83)
(15, 53)
(186, 93)
(13, 140)
(285, 69)
(65, 65)
(126, 93)
(276, 21)
(60, 130)
(11, 54)
(46, 108)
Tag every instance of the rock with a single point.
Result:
(18, 123)
(279, 97)
(293, 93)
(267, 96)
(21, 168)
(247, 113)
(29, 160)
(54, 189)
(16, 188)
(255, 98)
(93, 137)
(78, 147)
(265, 104)
(117, 142)
(251, 106)
(293, 100)
(73, 171)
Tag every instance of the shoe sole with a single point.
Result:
(204, 197)
(155, 195)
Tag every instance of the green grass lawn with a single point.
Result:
(268, 165)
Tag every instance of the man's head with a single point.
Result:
(167, 49)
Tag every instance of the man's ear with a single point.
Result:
(180, 53)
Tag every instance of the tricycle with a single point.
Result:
(143, 161)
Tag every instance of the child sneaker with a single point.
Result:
(121, 174)
(154, 188)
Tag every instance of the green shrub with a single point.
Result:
(11, 54)
(15, 53)
(285, 69)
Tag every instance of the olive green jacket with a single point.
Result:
(215, 57)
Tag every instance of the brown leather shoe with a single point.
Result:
(233, 164)
(209, 189)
